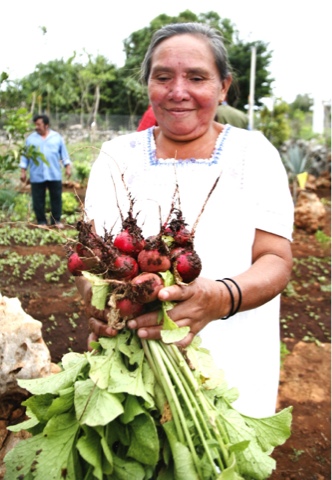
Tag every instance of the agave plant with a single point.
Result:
(296, 162)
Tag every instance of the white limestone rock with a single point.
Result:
(310, 213)
(23, 352)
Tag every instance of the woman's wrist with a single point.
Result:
(235, 296)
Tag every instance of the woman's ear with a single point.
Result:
(226, 83)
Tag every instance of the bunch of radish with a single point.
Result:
(132, 264)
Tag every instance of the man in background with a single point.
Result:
(46, 176)
(232, 116)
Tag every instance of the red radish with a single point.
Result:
(146, 287)
(75, 264)
(155, 256)
(177, 229)
(129, 308)
(182, 236)
(86, 252)
(126, 242)
(187, 264)
(152, 261)
(124, 267)
(81, 250)
(130, 239)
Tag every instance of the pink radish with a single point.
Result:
(186, 263)
(129, 308)
(127, 243)
(124, 267)
(76, 264)
(146, 287)
(155, 256)
(152, 261)
(130, 239)
(177, 229)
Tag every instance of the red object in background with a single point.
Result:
(148, 120)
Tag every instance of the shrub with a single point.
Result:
(70, 203)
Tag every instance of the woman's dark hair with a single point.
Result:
(43, 117)
(213, 37)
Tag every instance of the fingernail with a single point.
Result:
(132, 324)
(142, 333)
(109, 331)
(164, 295)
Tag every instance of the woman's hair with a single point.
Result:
(213, 37)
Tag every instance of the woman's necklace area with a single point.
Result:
(201, 148)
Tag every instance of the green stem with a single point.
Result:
(163, 379)
(209, 409)
(197, 411)
(174, 403)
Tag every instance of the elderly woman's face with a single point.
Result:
(185, 86)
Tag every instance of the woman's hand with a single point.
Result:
(205, 300)
(197, 304)
(98, 326)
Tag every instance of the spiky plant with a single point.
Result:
(296, 161)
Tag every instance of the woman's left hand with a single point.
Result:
(197, 304)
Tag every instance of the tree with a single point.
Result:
(274, 124)
(300, 117)
(302, 102)
(51, 86)
(94, 76)
(239, 54)
(98, 86)
(11, 94)
(17, 123)
(240, 60)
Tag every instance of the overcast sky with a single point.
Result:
(296, 32)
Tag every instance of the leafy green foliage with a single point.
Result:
(82, 170)
(296, 160)
(322, 237)
(7, 198)
(284, 352)
(17, 124)
(304, 103)
(274, 124)
(87, 84)
(238, 51)
(22, 234)
(20, 208)
(23, 268)
(137, 410)
(70, 203)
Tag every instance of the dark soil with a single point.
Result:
(305, 331)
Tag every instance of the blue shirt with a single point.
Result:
(54, 149)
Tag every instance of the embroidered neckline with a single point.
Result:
(151, 150)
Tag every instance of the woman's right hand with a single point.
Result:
(97, 319)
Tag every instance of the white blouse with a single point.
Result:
(252, 193)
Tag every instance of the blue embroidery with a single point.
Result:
(153, 161)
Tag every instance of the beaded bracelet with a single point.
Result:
(233, 310)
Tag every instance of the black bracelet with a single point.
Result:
(239, 292)
(232, 300)
(233, 310)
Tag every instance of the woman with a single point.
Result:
(243, 237)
